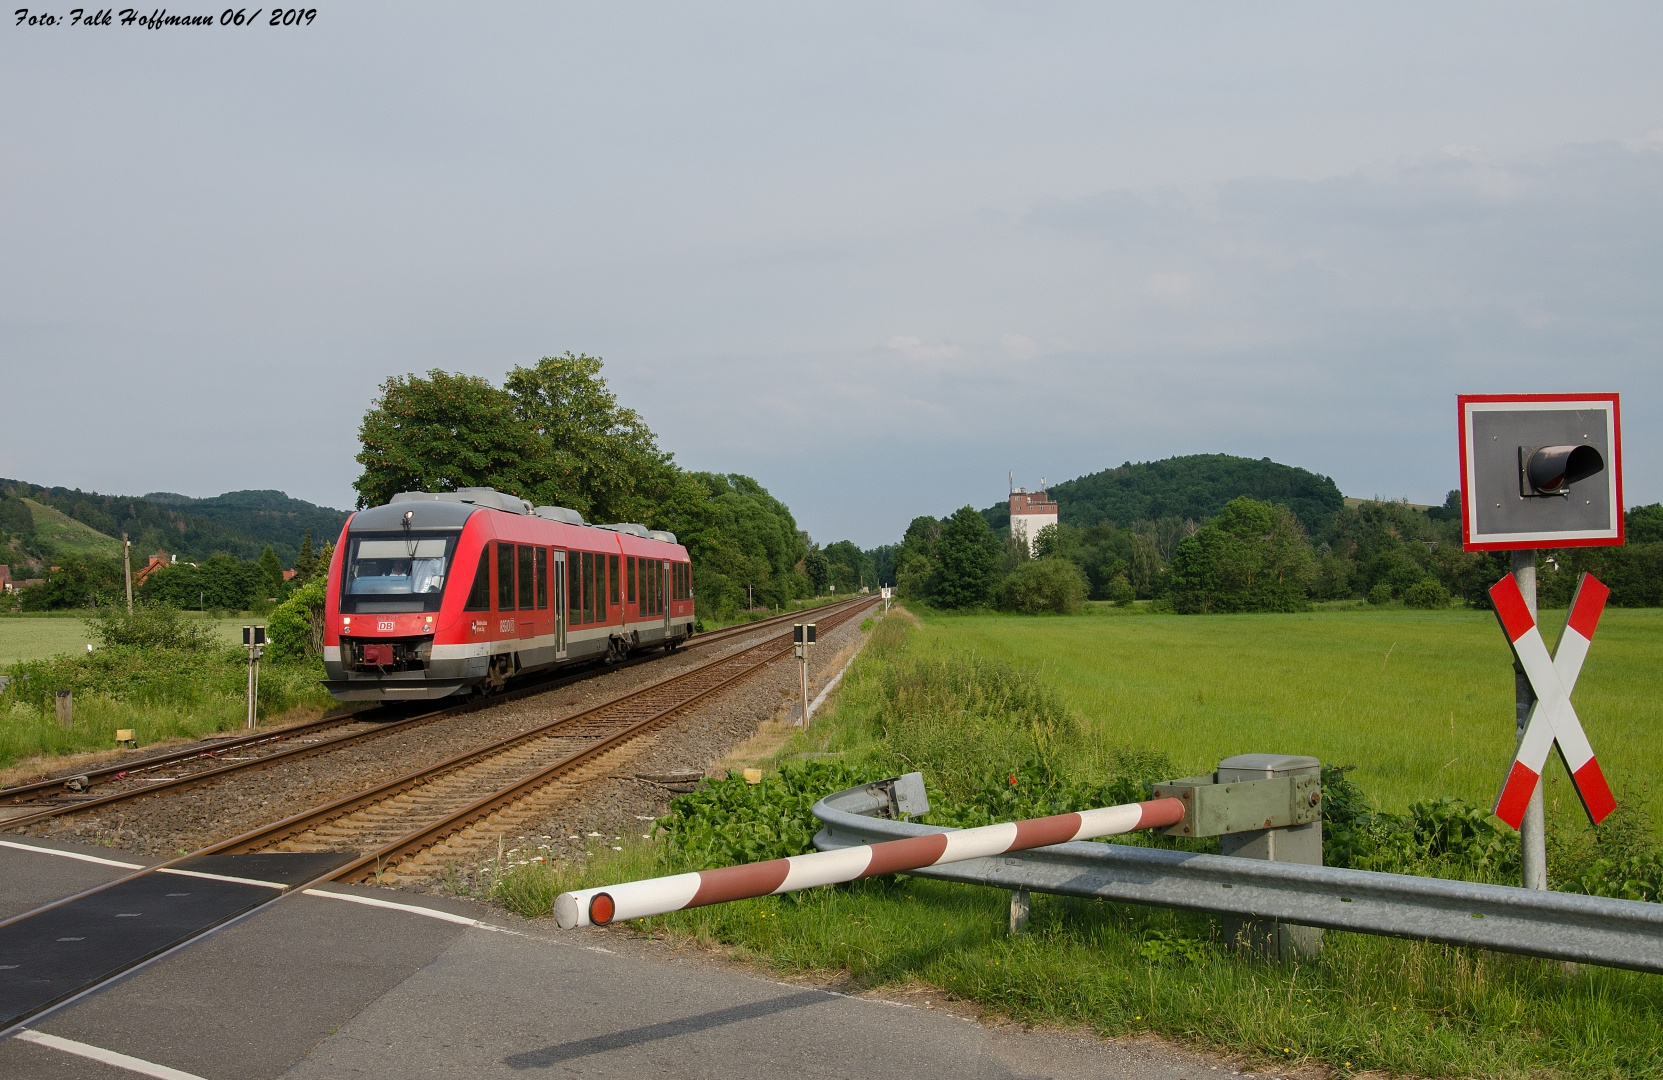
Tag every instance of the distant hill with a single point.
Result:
(1194, 487)
(267, 516)
(239, 523)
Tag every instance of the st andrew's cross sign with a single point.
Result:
(1552, 719)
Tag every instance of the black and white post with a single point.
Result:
(802, 637)
(254, 640)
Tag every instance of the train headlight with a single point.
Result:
(346, 623)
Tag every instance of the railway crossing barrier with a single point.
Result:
(658, 896)
(865, 834)
(1556, 926)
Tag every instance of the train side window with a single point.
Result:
(587, 580)
(612, 578)
(479, 595)
(641, 585)
(528, 580)
(542, 578)
(505, 576)
(574, 592)
(629, 576)
(657, 587)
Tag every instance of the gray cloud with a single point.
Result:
(874, 257)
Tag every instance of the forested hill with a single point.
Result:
(270, 517)
(1195, 487)
(238, 523)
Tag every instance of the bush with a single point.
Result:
(1426, 593)
(1120, 591)
(1043, 585)
(150, 626)
(1380, 594)
(295, 628)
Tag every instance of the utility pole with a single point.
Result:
(1533, 830)
(127, 562)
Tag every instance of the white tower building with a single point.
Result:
(1031, 511)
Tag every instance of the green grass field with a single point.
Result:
(64, 533)
(1420, 701)
(39, 636)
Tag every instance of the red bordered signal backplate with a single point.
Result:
(1495, 514)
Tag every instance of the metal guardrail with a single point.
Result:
(1558, 926)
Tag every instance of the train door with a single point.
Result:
(557, 600)
(664, 594)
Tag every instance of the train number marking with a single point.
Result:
(506, 626)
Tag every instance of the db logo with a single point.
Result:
(385, 625)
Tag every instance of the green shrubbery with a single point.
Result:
(1043, 585)
(147, 677)
(1428, 593)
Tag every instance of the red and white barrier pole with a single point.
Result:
(658, 896)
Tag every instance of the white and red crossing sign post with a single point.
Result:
(1552, 720)
(1543, 471)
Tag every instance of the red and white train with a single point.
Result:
(450, 593)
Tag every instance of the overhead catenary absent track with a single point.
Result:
(447, 798)
(205, 764)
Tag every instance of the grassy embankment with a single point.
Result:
(1197, 688)
(181, 691)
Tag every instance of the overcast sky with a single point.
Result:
(874, 256)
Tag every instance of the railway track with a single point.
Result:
(47, 798)
(452, 802)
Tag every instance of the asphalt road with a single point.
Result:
(320, 987)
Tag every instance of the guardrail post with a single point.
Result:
(1271, 938)
(1021, 904)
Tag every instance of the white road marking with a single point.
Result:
(108, 1057)
(223, 877)
(72, 855)
(432, 913)
(141, 866)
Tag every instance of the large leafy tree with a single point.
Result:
(966, 561)
(599, 457)
(444, 432)
(1252, 557)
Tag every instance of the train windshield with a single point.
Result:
(392, 575)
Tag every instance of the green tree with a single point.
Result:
(75, 582)
(966, 562)
(272, 571)
(818, 569)
(1253, 557)
(599, 457)
(441, 433)
(1053, 584)
(306, 563)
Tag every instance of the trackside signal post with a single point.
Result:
(1542, 470)
(254, 640)
(802, 638)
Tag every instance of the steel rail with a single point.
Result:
(1556, 926)
(279, 831)
(518, 693)
(157, 761)
(421, 839)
